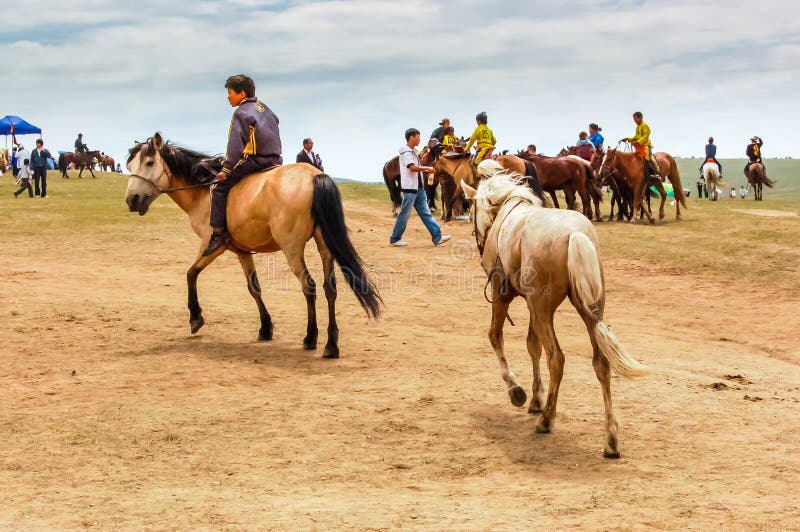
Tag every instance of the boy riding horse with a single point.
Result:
(643, 146)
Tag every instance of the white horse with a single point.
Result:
(544, 256)
(712, 179)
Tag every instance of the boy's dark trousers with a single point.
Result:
(26, 184)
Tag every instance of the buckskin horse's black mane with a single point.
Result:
(195, 167)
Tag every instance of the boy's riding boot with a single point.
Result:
(218, 239)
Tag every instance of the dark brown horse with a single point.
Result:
(391, 177)
(557, 173)
(621, 193)
(79, 161)
(757, 177)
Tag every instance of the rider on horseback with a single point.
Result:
(753, 154)
(484, 138)
(254, 145)
(642, 145)
(80, 147)
(711, 155)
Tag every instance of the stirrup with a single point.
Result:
(216, 241)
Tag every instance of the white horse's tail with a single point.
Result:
(586, 282)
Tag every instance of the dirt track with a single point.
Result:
(115, 417)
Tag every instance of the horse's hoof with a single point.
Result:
(535, 407)
(331, 354)
(611, 454)
(517, 395)
(309, 345)
(543, 427)
(197, 324)
(265, 337)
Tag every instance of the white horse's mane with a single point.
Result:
(500, 185)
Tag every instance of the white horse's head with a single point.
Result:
(497, 187)
(149, 174)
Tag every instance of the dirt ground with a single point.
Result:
(115, 417)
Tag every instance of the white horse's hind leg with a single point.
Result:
(499, 312)
(544, 329)
(535, 351)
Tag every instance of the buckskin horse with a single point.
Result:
(79, 161)
(630, 167)
(280, 209)
(5, 160)
(544, 256)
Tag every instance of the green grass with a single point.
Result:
(713, 239)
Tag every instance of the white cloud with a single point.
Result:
(354, 74)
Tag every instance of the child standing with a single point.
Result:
(24, 179)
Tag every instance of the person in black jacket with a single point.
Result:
(307, 155)
(39, 158)
(254, 145)
(753, 154)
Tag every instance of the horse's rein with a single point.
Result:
(160, 190)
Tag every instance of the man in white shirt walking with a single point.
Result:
(414, 194)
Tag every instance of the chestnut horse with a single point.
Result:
(107, 163)
(276, 210)
(79, 161)
(5, 160)
(630, 167)
(757, 176)
(557, 173)
(544, 256)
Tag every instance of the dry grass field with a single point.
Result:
(115, 417)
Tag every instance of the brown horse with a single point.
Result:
(276, 210)
(544, 256)
(450, 170)
(757, 177)
(79, 161)
(621, 193)
(557, 173)
(391, 177)
(107, 163)
(630, 167)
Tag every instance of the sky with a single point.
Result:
(355, 74)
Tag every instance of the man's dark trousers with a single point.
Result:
(219, 197)
(40, 173)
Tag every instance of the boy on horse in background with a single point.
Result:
(642, 145)
(254, 145)
(484, 138)
(80, 147)
(753, 154)
(711, 156)
(450, 141)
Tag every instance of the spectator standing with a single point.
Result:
(414, 193)
(119, 168)
(700, 184)
(39, 166)
(742, 191)
(22, 154)
(308, 156)
(14, 167)
(24, 177)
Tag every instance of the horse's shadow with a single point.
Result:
(561, 451)
(277, 353)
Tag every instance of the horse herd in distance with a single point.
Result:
(618, 170)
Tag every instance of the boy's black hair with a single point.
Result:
(241, 83)
(638, 113)
(26, 161)
(410, 132)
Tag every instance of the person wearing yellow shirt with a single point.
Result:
(450, 141)
(642, 145)
(484, 138)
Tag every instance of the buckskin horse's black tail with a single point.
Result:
(328, 214)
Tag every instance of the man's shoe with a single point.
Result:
(216, 241)
(399, 244)
(443, 239)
